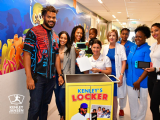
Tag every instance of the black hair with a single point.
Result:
(68, 44)
(156, 24)
(125, 29)
(99, 107)
(145, 29)
(96, 41)
(73, 34)
(49, 8)
(94, 109)
(94, 29)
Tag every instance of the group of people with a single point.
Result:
(47, 57)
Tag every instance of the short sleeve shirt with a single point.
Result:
(43, 46)
(137, 54)
(127, 46)
(100, 63)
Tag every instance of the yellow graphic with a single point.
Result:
(12, 55)
(37, 16)
(93, 94)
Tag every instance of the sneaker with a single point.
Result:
(121, 113)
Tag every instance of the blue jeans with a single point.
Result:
(60, 98)
(40, 97)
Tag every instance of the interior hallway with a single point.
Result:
(55, 116)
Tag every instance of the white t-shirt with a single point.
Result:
(100, 63)
(155, 56)
(78, 116)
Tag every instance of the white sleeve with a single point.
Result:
(103, 53)
(123, 54)
(152, 46)
(107, 62)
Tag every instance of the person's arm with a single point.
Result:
(73, 60)
(122, 72)
(107, 65)
(27, 66)
(156, 69)
(107, 71)
(141, 78)
(123, 59)
(29, 46)
(86, 72)
(58, 68)
(136, 85)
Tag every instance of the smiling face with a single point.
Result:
(63, 39)
(96, 48)
(124, 35)
(140, 38)
(78, 34)
(112, 37)
(155, 31)
(49, 19)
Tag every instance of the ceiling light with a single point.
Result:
(114, 16)
(124, 23)
(100, 1)
(118, 12)
(134, 22)
(117, 19)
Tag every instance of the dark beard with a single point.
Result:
(45, 22)
(83, 113)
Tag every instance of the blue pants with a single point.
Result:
(60, 98)
(40, 97)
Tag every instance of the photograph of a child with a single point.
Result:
(101, 111)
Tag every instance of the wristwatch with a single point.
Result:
(122, 74)
(60, 75)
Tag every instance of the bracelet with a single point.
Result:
(60, 75)
(122, 74)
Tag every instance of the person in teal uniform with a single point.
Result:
(137, 77)
(127, 44)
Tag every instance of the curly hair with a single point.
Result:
(145, 29)
(50, 9)
(68, 44)
(94, 29)
(156, 24)
(73, 34)
(125, 29)
(115, 31)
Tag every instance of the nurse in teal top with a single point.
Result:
(127, 44)
(137, 77)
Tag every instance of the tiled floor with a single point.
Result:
(55, 116)
(127, 112)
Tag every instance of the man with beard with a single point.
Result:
(82, 115)
(41, 60)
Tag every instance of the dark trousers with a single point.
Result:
(154, 93)
(60, 98)
(40, 97)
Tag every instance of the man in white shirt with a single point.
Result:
(82, 115)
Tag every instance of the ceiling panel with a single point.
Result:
(145, 10)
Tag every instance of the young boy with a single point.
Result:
(92, 36)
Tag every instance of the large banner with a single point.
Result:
(18, 16)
